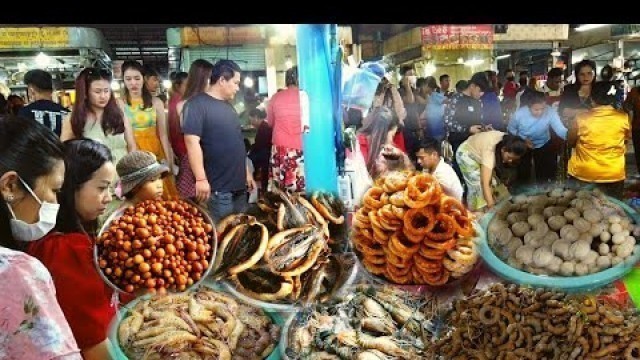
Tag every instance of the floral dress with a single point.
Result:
(32, 325)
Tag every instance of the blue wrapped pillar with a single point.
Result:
(315, 73)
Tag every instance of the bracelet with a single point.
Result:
(201, 180)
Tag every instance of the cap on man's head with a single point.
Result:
(480, 80)
(40, 79)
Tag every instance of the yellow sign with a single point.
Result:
(221, 36)
(34, 38)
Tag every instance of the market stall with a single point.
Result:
(410, 274)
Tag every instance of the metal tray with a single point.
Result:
(120, 211)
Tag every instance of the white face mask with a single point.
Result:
(31, 232)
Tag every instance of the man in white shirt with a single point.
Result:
(430, 160)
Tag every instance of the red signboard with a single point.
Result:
(456, 37)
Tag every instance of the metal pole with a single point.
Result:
(316, 100)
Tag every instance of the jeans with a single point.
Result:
(222, 204)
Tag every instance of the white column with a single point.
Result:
(270, 63)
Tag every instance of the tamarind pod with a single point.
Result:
(594, 318)
(579, 329)
(616, 319)
(605, 351)
(533, 307)
(545, 296)
(503, 335)
(584, 344)
(525, 354)
(555, 330)
(573, 322)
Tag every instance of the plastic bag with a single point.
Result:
(446, 150)
(358, 88)
(361, 181)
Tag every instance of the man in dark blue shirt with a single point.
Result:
(43, 109)
(215, 144)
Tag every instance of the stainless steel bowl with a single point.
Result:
(120, 211)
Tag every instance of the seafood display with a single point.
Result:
(368, 323)
(202, 324)
(286, 256)
(158, 245)
(562, 232)
(409, 232)
(512, 322)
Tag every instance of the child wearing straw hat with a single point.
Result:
(141, 176)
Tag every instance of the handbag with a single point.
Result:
(446, 150)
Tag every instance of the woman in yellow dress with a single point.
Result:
(149, 123)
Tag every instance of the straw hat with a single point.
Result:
(136, 168)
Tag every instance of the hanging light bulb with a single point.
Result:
(288, 62)
(115, 85)
(248, 82)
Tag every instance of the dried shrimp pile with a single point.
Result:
(562, 232)
(514, 322)
(411, 233)
(204, 324)
(286, 257)
(156, 245)
(370, 323)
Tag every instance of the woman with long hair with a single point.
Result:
(96, 114)
(575, 99)
(376, 140)
(67, 252)
(146, 115)
(32, 325)
(197, 82)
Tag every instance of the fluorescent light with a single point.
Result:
(166, 84)
(556, 53)
(42, 60)
(460, 60)
(429, 69)
(586, 27)
(500, 57)
(473, 62)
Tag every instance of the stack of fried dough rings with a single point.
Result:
(411, 233)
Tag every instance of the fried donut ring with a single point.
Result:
(426, 266)
(444, 228)
(390, 224)
(398, 279)
(375, 259)
(456, 267)
(384, 199)
(432, 254)
(463, 255)
(437, 279)
(416, 238)
(397, 199)
(419, 221)
(398, 271)
(371, 249)
(362, 217)
(398, 212)
(392, 249)
(372, 197)
(375, 269)
(445, 245)
(397, 260)
(365, 232)
(395, 181)
(404, 244)
(451, 206)
(463, 226)
(420, 191)
(418, 279)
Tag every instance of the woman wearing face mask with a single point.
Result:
(88, 303)
(533, 123)
(32, 325)
(146, 114)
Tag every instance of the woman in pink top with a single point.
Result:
(283, 115)
(32, 325)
